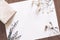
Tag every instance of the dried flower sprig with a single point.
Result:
(38, 5)
(51, 28)
(14, 37)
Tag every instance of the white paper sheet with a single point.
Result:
(31, 26)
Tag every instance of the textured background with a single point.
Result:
(11, 1)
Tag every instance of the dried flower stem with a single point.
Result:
(14, 37)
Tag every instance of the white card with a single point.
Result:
(32, 26)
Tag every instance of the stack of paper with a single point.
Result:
(6, 12)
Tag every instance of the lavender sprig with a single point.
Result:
(14, 37)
